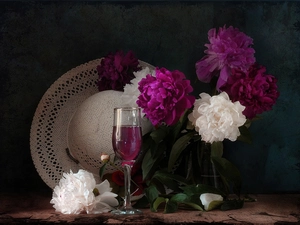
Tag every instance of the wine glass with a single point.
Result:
(127, 141)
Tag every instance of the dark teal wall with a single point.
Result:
(40, 41)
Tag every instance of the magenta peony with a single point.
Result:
(228, 48)
(116, 70)
(254, 89)
(165, 96)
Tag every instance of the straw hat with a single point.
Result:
(72, 124)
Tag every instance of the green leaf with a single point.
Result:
(172, 204)
(175, 131)
(159, 186)
(159, 134)
(149, 164)
(245, 135)
(156, 146)
(170, 180)
(180, 197)
(229, 172)
(178, 147)
(232, 204)
(197, 138)
(101, 171)
(217, 149)
(151, 194)
(194, 206)
(178, 127)
(167, 182)
(184, 199)
(159, 149)
(195, 199)
(157, 203)
(171, 207)
(146, 144)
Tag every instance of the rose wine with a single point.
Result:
(127, 141)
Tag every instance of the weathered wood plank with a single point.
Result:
(36, 209)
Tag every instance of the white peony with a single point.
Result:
(74, 194)
(131, 91)
(216, 117)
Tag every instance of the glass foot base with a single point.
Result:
(126, 211)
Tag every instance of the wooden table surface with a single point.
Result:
(35, 208)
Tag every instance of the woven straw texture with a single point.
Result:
(72, 124)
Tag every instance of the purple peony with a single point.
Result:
(116, 70)
(165, 97)
(254, 89)
(228, 48)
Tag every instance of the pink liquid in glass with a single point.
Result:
(127, 141)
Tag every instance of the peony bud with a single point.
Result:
(105, 157)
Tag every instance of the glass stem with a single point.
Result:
(127, 178)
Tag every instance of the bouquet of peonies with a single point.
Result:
(188, 131)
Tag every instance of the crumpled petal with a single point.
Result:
(108, 198)
(103, 187)
(210, 201)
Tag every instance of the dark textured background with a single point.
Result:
(40, 41)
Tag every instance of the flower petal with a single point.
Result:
(211, 201)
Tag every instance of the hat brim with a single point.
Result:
(49, 128)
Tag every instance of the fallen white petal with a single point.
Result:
(207, 198)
